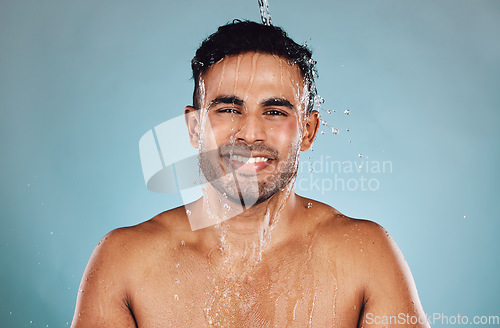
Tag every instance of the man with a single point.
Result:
(264, 257)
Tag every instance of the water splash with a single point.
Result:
(265, 15)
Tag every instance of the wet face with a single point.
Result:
(251, 126)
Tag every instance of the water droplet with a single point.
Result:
(335, 131)
(322, 132)
(347, 112)
(324, 123)
(329, 111)
(194, 182)
(349, 140)
(309, 205)
(177, 281)
(188, 212)
(265, 15)
(176, 297)
(177, 265)
(465, 217)
(360, 155)
(52, 232)
(183, 243)
(347, 129)
(227, 207)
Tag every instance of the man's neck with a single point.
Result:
(247, 234)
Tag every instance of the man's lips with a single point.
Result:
(247, 160)
(245, 164)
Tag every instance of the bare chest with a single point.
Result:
(294, 289)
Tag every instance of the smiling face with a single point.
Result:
(251, 126)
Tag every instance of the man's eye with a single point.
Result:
(275, 112)
(228, 110)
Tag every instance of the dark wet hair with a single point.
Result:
(240, 37)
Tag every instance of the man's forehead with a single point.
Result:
(249, 72)
(257, 60)
(254, 55)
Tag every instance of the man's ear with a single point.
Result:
(192, 117)
(310, 130)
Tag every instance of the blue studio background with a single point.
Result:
(82, 81)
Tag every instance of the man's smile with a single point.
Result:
(247, 164)
(247, 160)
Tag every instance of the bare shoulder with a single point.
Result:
(372, 256)
(332, 224)
(116, 266)
(122, 249)
(350, 239)
(125, 244)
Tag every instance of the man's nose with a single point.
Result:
(252, 129)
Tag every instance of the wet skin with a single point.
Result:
(318, 268)
(252, 109)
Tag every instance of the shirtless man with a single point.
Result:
(274, 259)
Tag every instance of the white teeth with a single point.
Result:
(247, 160)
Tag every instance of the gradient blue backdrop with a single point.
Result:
(81, 81)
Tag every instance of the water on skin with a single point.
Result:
(289, 297)
(283, 297)
(204, 130)
(227, 287)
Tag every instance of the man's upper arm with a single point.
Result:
(391, 297)
(102, 298)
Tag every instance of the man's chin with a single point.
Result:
(242, 196)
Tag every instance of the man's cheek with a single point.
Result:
(285, 136)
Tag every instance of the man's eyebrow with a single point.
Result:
(277, 102)
(232, 100)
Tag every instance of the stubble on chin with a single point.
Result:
(247, 189)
